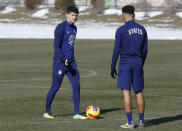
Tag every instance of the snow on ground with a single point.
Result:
(41, 13)
(179, 14)
(26, 31)
(84, 13)
(83, 8)
(162, 20)
(7, 10)
(139, 15)
(154, 13)
(112, 11)
(89, 32)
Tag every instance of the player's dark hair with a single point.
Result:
(73, 9)
(128, 9)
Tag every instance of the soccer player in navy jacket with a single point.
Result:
(64, 62)
(131, 44)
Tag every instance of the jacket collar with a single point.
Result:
(128, 22)
(68, 24)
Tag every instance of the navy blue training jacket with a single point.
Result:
(64, 37)
(131, 41)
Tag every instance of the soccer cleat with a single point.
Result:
(48, 115)
(77, 116)
(140, 123)
(130, 126)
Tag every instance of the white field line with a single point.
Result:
(58, 122)
(90, 74)
(38, 79)
(46, 122)
(124, 119)
(87, 90)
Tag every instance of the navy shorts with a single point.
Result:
(130, 75)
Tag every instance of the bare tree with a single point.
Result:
(171, 6)
(98, 5)
(115, 3)
(144, 5)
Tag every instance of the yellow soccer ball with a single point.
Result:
(92, 112)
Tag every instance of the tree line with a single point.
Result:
(63, 4)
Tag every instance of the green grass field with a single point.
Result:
(25, 77)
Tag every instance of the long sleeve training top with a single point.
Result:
(131, 41)
(64, 37)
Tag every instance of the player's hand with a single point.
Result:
(67, 63)
(114, 73)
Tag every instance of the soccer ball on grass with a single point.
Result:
(92, 112)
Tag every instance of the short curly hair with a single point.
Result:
(72, 9)
(128, 9)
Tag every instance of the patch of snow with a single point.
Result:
(42, 6)
(7, 10)
(154, 13)
(85, 13)
(163, 25)
(41, 13)
(112, 12)
(161, 20)
(92, 31)
(6, 20)
(83, 8)
(163, 33)
(167, 21)
(26, 31)
(139, 15)
(179, 14)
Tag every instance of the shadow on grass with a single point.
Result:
(102, 111)
(64, 115)
(82, 113)
(162, 120)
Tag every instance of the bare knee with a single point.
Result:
(139, 95)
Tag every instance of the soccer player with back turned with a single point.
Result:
(64, 62)
(131, 43)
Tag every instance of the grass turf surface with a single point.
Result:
(25, 77)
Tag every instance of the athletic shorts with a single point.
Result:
(130, 75)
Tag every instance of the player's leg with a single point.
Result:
(138, 86)
(56, 83)
(127, 100)
(124, 82)
(127, 105)
(140, 101)
(58, 73)
(73, 76)
(141, 107)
